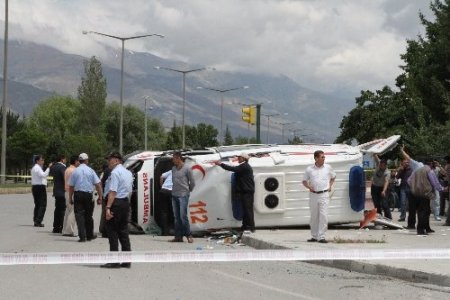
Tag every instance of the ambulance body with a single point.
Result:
(280, 198)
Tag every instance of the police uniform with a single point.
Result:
(82, 184)
(118, 188)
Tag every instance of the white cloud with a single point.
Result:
(322, 44)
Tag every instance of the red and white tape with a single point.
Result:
(218, 256)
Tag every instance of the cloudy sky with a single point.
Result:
(326, 45)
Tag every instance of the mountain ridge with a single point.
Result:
(46, 70)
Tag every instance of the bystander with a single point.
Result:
(81, 186)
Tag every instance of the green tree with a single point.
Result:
(57, 119)
(296, 140)
(89, 144)
(13, 122)
(427, 59)
(201, 136)
(156, 135)
(133, 129)
(228, 140)
(23, 144)
(92, 95)
(242, 140)
(174, 137)
(380, 114)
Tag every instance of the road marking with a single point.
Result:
(268, 287)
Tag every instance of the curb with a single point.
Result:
(361, 266)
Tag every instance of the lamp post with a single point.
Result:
(268, 123)
(5, 102)
(145, 121)
(221, 104)
(122, 39)
(184, 72)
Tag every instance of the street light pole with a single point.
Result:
(184, 72)
(5, 101)
(221, 104)
(145, 123)
(268, 124)
(122, 39)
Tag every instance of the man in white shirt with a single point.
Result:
(38, 189)
(319, 179)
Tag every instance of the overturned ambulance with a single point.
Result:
(280, 198)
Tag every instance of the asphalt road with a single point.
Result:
(224, 280)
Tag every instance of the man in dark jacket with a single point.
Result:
(57, 171)
(245, 189)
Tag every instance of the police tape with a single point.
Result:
(53, 258)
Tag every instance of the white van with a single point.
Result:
(280, 198)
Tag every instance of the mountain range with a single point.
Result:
(37, 71)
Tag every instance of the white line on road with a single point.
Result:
(268, 287)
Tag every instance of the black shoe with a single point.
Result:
(125, 265)
(323, 241)
(401, 219)
(111, 266)
(176, 240)
(312, 240)
(38, 225)
(57, 230)
(429, 230)
(92, 238)
(82, 240)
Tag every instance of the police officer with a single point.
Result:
(81, 185)
(117, 190)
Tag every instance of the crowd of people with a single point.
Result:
(73, 190)
(416, 188)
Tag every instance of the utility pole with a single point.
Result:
(5, 100)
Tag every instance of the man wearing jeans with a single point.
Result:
(403, 174)
(183, 184)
